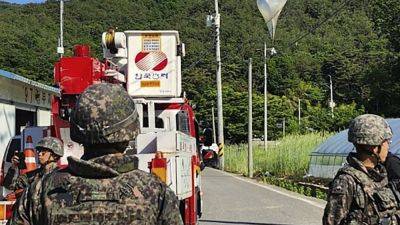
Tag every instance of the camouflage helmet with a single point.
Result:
(51, 143)
(104, 113)
(369, 129)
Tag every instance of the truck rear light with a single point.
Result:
(6, 210)
(158, 166)
(3, 212)
(160, 173)
(209, 155)
(9, 211)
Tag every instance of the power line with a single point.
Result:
(313, 29)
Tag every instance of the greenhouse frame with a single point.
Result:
(331, 155)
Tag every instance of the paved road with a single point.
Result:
(231, 199)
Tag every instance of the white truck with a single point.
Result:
(149, 63)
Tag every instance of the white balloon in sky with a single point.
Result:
(270, 10)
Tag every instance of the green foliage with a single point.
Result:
(287, 157)
(387, 18)
(358, 47)
(321, 119)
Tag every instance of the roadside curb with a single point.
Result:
(294, 195)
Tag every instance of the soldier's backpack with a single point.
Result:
(122, 199)
(378, 201)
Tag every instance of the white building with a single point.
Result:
(22, 102)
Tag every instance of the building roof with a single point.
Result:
(338, 144)
(16, 77)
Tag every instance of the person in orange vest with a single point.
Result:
(49, 149)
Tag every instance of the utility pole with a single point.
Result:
(250, 126)
(219, 84)
(213, 123)
(299, 113)
(284, 126)
(331, 103)
(265, 99)
(60, 48)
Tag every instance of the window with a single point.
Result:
(145, 116)
(23, 119)
(182, 122)
(159, 122)
(145, 121)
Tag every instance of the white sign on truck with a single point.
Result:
(154, 64)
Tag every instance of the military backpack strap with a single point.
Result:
(369, 190)
(361, 178)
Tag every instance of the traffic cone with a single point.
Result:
(29, 153)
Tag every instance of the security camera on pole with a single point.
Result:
(270, 10)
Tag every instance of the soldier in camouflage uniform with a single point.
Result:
(359, 193)
(104, 186)
(49, 150)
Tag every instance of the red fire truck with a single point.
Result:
(148, 65)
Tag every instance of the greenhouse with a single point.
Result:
(331, 155)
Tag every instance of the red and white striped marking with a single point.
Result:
(30, 160)
(151, 61)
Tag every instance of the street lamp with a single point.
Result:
(272, 52)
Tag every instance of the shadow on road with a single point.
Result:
(236, 222)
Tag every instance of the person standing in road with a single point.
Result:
(104, 186)
(359, 193)
(50, 150)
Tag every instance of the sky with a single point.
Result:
(24, 1)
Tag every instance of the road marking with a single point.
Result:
(277, 191)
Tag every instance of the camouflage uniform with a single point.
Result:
(24, 180)
(107, 188)
(359, 195)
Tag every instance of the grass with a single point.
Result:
(296, 187)
(285, 158)
(284, 163)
